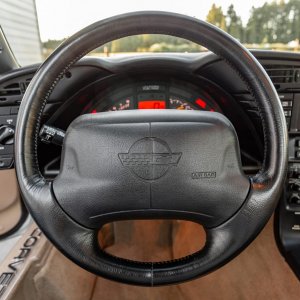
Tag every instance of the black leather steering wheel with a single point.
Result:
(151, 164)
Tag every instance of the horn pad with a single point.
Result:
(134, 165)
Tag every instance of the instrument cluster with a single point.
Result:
(154, 95)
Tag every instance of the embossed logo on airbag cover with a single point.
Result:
(149, 158)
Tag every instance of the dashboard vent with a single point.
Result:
(283, 73)
(24, 85)
(13, 92)
(11, 89)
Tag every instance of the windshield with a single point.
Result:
(35, 28)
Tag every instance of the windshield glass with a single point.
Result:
(35, 28)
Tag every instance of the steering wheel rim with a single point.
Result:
(224, 240)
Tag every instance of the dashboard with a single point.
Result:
(159, 81)
(167, 81)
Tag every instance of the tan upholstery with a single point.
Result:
(259, 272)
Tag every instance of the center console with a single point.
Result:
(289, 208)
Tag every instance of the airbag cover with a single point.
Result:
(120, 165)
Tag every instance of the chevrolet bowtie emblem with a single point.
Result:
(149, 158)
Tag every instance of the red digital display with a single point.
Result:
(152, 104)
(201, 103)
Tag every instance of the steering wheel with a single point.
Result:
(151, 164)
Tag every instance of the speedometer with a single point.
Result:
(123, 104)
